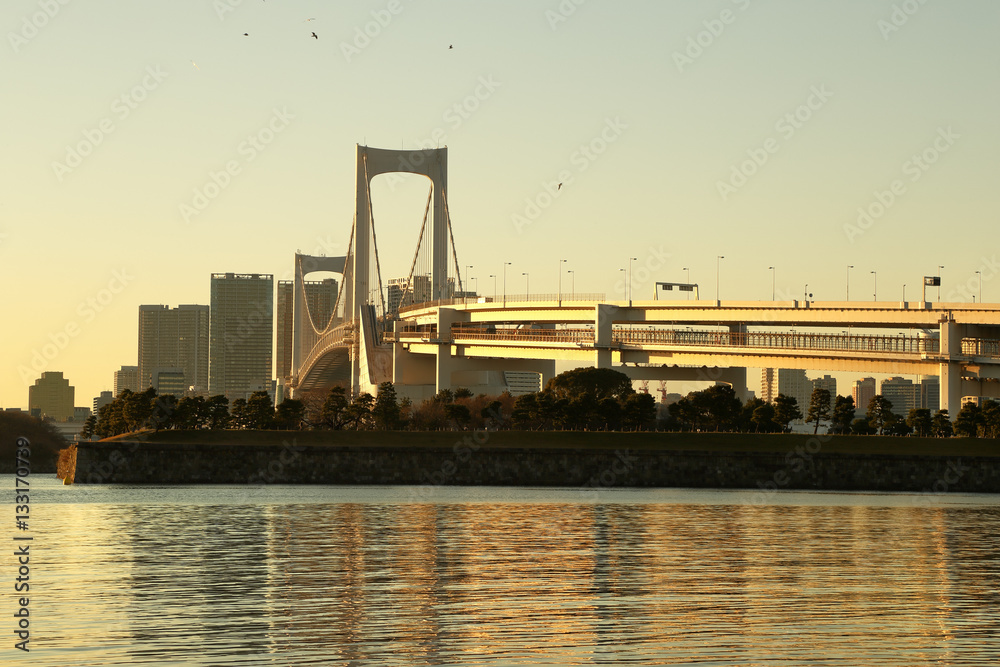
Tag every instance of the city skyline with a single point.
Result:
(688, 135)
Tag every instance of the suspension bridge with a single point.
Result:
(425, 332)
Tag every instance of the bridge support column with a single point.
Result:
(951, 370)
(445, 364)
(604, 316)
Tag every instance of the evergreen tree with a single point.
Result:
(843, 414)
(920, 421)
(386, 410)
(941, 425)
(819, 407)
(786, 410)
(879, 413)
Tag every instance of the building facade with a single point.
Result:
(863, 392)
(321, 299)
(902, 393)
(102, 400)
(240, 334)
(52, 396)
(126, 378)
(174, 338)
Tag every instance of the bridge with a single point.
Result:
(429, 334)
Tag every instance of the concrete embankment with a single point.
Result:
(510, 459)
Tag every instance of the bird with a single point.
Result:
(451, 46)
(195, 65)
(315, 35)
(308, 20)
(246, 34)
(559, 188)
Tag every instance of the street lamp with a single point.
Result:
(849, 267)
(687, 279)
(572, 283)
(494, 277)
(875, 279)
(771, 268)
(465, 291)
(526, 290)
(505, 265)
(904, 292)
(718, 270)
(628, 278)
(980, 286)
(559, 271)
(806, 293)
(939, 282)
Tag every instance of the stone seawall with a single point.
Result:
(124, 462)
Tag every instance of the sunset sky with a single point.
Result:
(681, 131)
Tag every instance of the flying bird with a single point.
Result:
(195, 65)
(559, 188)
(451, 46)
(246, 34)
(315, 35)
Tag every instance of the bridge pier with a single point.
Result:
(604, 317)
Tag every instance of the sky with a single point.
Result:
(146, 145)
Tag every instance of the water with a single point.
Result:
(488, 576)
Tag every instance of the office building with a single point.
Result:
(102, 400)
(863, 392)
(321, 299)
(902, 393)
(52, 396)
(126, 378)
(930, 392)
(826, 382)
(174, 338)
(522, 382)
(403, 292)
(240, 334)
(791, 382)
(170, 381)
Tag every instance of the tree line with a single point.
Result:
(718, 409)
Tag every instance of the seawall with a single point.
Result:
(474, 461)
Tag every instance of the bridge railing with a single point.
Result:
(510, 298)
(981, 347)
(781, 340)
(527, 335)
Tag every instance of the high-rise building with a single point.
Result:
(398, 295)
(768, 384)
(52, 396)
(902, 393)
(240, 334)
(80, 414)
(930, 392)
(170, 381)
(791, 382)
(102, 400)
(174, 338)
(321, 298)
(126, 378)
(863, 392)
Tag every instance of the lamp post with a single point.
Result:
(494, 277)
(559, 271)
(718, 272)
(849, 267)
(980, 286)
(805, 295)
(904, 292)
(771, 268)
(875, 293)
(628, 278)
(572, 283)
(465, 291)
(687, 279)
(475, 290)
(939, 282)
(526, 290)
(505, 265)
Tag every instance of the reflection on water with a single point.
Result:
(317, 575)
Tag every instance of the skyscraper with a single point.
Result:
(791, 382)
(52, 396)
(902, 393)
(321, 298)
(829, 383)
(174, 338)
(240, 334)
(863, 392)
(126, 378)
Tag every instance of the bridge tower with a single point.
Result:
(432, 163)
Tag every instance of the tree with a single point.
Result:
(920, 421)
(819, 407)
(386, 409)
(358, 414)
(786, 410)
(941, 425)
(88, 427)
(991, 419)
(897, 426)
(600, 382)
(861, 426)
(259, 411)
(462, 392)
(525, 413)
(238, 417)
(334, 408)
(458, 413)
(164, 412)
(879, 413)
(638, 411)
(217, 412)
(289, 414)
(190, 412)
(843, 414)
(137, 408)
(969, 420)
(763, 418)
